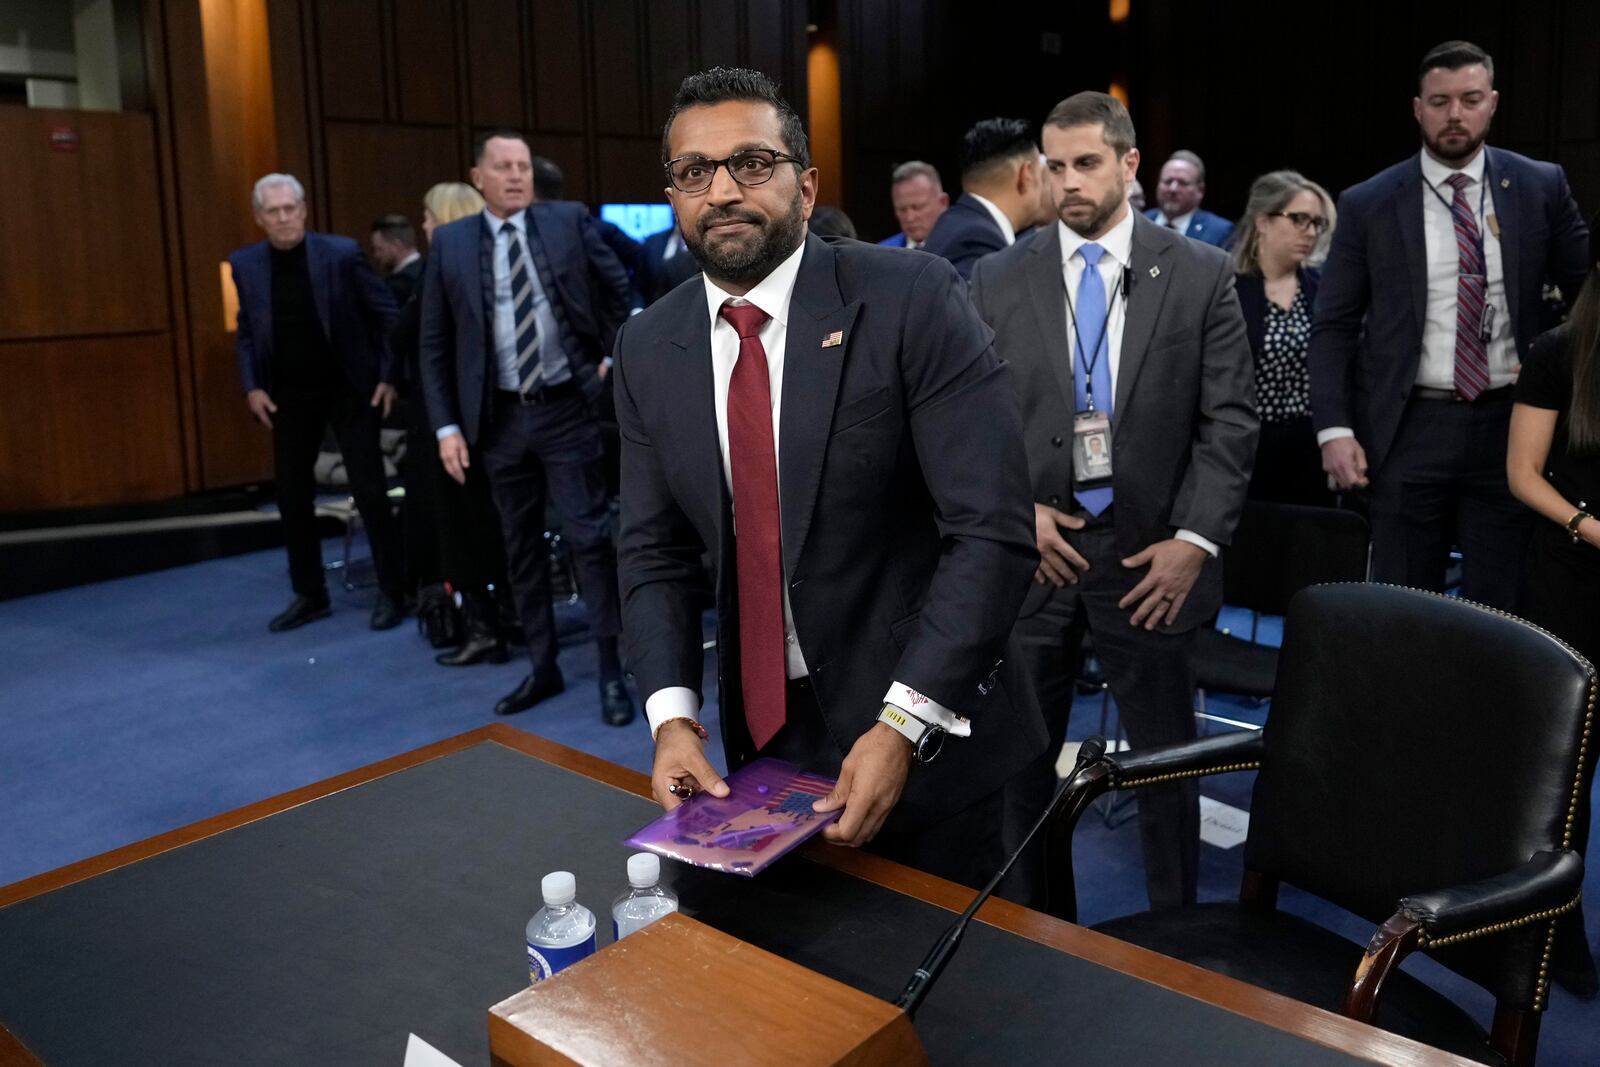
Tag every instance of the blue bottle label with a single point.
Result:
(543, 961)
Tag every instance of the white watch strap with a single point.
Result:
(909, 725)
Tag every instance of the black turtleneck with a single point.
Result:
(302, 358)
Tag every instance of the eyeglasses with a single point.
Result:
(1303, 222)
(754, 166)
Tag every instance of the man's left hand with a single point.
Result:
(870, 782)
(384, 396)
(1174, 565)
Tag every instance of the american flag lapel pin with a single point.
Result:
(834, 339)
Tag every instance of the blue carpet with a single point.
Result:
(135, 706)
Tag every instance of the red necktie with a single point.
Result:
(752, 454)
(1472, 359)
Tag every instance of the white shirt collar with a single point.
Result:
(1436, 173)
(1118, 242)
(771, 294)
(415, 255)
(519, 219)
(1006, 229)
(1181, 223)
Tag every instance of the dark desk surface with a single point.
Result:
(322, 926)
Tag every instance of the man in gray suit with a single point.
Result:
(1128, 350)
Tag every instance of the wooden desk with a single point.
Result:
(325, 924)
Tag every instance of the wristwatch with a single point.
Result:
(926, 738)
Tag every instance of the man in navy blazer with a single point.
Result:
(1429, 298)
(312, 346)
(519, 307)
(1178, 193)
(815, 417)
(919, 199)
(1004, 194)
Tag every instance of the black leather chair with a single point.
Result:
(1426, 766)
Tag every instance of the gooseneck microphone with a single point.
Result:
(1091, 758)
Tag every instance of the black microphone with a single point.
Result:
(1091, 758)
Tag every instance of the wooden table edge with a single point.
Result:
(1252, 1002)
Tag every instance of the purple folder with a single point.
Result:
(766, 813)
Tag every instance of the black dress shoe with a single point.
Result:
(479, 648)
(616, 707)
(540, 685)
(301, 610)
(387, 612)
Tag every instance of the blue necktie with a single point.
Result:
(1091, 311)
(522, 303)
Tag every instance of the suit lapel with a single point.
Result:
(1408, 209)
(317, 268)
(810, 387)
(1049, 303)
(696, 419)
(1145, 297)
(1504, 199)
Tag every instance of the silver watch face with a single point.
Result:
(929, 744)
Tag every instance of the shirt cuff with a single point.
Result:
(673, 702)
(1333, 433)
(1195, 539)
(918, 706)
(445, 431)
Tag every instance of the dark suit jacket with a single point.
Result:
(1366, 341)
(629, 253)
(353, 303)
(964, 234)
(405, 282)
(1203, 226)
(1252, 292)
(907, 531)
(1184, 425)
(457, 345)
(659, 275)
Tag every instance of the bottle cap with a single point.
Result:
(560, 888)
(644, 870)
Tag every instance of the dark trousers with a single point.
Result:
(551, 449)
(297, 431)
(1152, 679)
(1443, 484)
(421, 513)
(965, 847)
(1288, 466)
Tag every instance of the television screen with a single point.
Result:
(638, 220)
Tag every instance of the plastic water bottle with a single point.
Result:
(646, 900)
(562, 932)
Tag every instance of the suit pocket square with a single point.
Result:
(861, 409)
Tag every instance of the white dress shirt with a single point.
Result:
(1007, 231)
(1181, 223)
(1118, 245)
(772, 296)
(1436, 368)
(404, 263)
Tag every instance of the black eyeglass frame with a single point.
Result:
(726, 164)
(1316, 223)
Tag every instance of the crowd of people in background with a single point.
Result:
(1396, 342)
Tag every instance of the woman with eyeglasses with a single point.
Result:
(1285, 229)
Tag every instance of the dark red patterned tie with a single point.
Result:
(1472, 360)
(752, 454)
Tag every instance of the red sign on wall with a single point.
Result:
(63, 139)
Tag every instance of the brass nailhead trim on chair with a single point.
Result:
(1153, 779)
(1495, 928)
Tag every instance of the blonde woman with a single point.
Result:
(1285, 229)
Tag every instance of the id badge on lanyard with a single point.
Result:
(1091, 449)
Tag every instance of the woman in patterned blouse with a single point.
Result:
(1285, 228)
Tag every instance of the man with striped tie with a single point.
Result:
(1430, 295)
(520, 306)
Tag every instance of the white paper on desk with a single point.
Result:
(421, 1054)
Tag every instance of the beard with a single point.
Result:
(1457, 151)
(745, 261)
(1102, 213)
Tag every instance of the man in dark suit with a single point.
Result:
(394, 250)
(313, 352)
(832, 401)
(919, 199)
(550, 183)
(1003, 194)
(665, 264)
(1121, 332)
(1429, 298)
(1181, 188)
(519, 306)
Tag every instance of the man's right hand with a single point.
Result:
(453, 454)
(1059, 563)
(681, 761)
(1346, 461)
(261, 406)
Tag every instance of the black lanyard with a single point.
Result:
(1477, 223)
(1087, 362)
